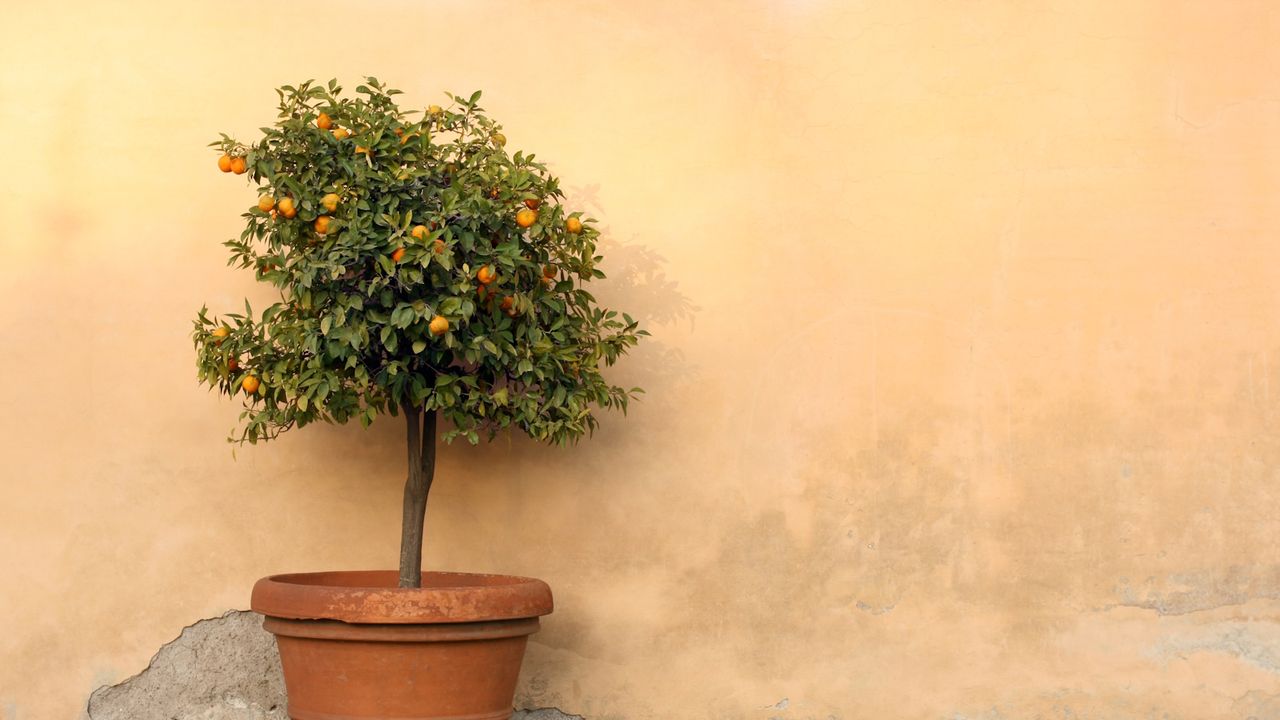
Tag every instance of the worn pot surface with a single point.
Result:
(353, 645)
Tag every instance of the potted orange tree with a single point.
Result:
(427, 272)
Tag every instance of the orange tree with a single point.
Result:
(422, 270)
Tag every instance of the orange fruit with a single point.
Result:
(573, 225)
(439, 245)
(532, 203)
(250, 384)
(330, 202)
(219, 334)
(321, 225)
(419, 232)
(482, 291)
(508, 302)
(238, 165)
(224, 163)
(498, 139)
(526, 217)
(361, 149)
(398, 255)
(549, 271)
(341, 134)
(485, 275)
(266, 203)
(324, 122)
(286, 207)
(439, 325)
(233, 364)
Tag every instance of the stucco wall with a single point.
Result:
(960, 391)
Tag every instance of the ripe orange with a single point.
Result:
(341, 134)
(419, 232)
(233, 364)
(250, 384)
(439, 325)
(485, 275)
(573, 225)
(324, 122)
(330, 202)
(549, 272)
(219, 334)
(532, 203)
(286, 207)
(507, 303)
(266, 203)
(439, 246)
(398, 255)
(238, 165)
(482, 291)
(498, 139)
(526, 217)
(322, 224)
(224, 163)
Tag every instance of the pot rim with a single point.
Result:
(372, 596)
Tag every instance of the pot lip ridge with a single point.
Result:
(372, 596)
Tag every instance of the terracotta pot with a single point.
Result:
(353, 645)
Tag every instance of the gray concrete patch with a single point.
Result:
(224, 668)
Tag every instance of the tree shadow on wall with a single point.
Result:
(637, 283)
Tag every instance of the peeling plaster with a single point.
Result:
(1189, 592)
(223, 668)
(1256, 643)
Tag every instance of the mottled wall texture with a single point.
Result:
(964, 385)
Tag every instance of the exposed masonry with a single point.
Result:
(223, 668)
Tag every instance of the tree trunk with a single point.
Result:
(422, 469)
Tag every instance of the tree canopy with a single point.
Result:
(420, 266)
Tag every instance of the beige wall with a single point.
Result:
(963, 391)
